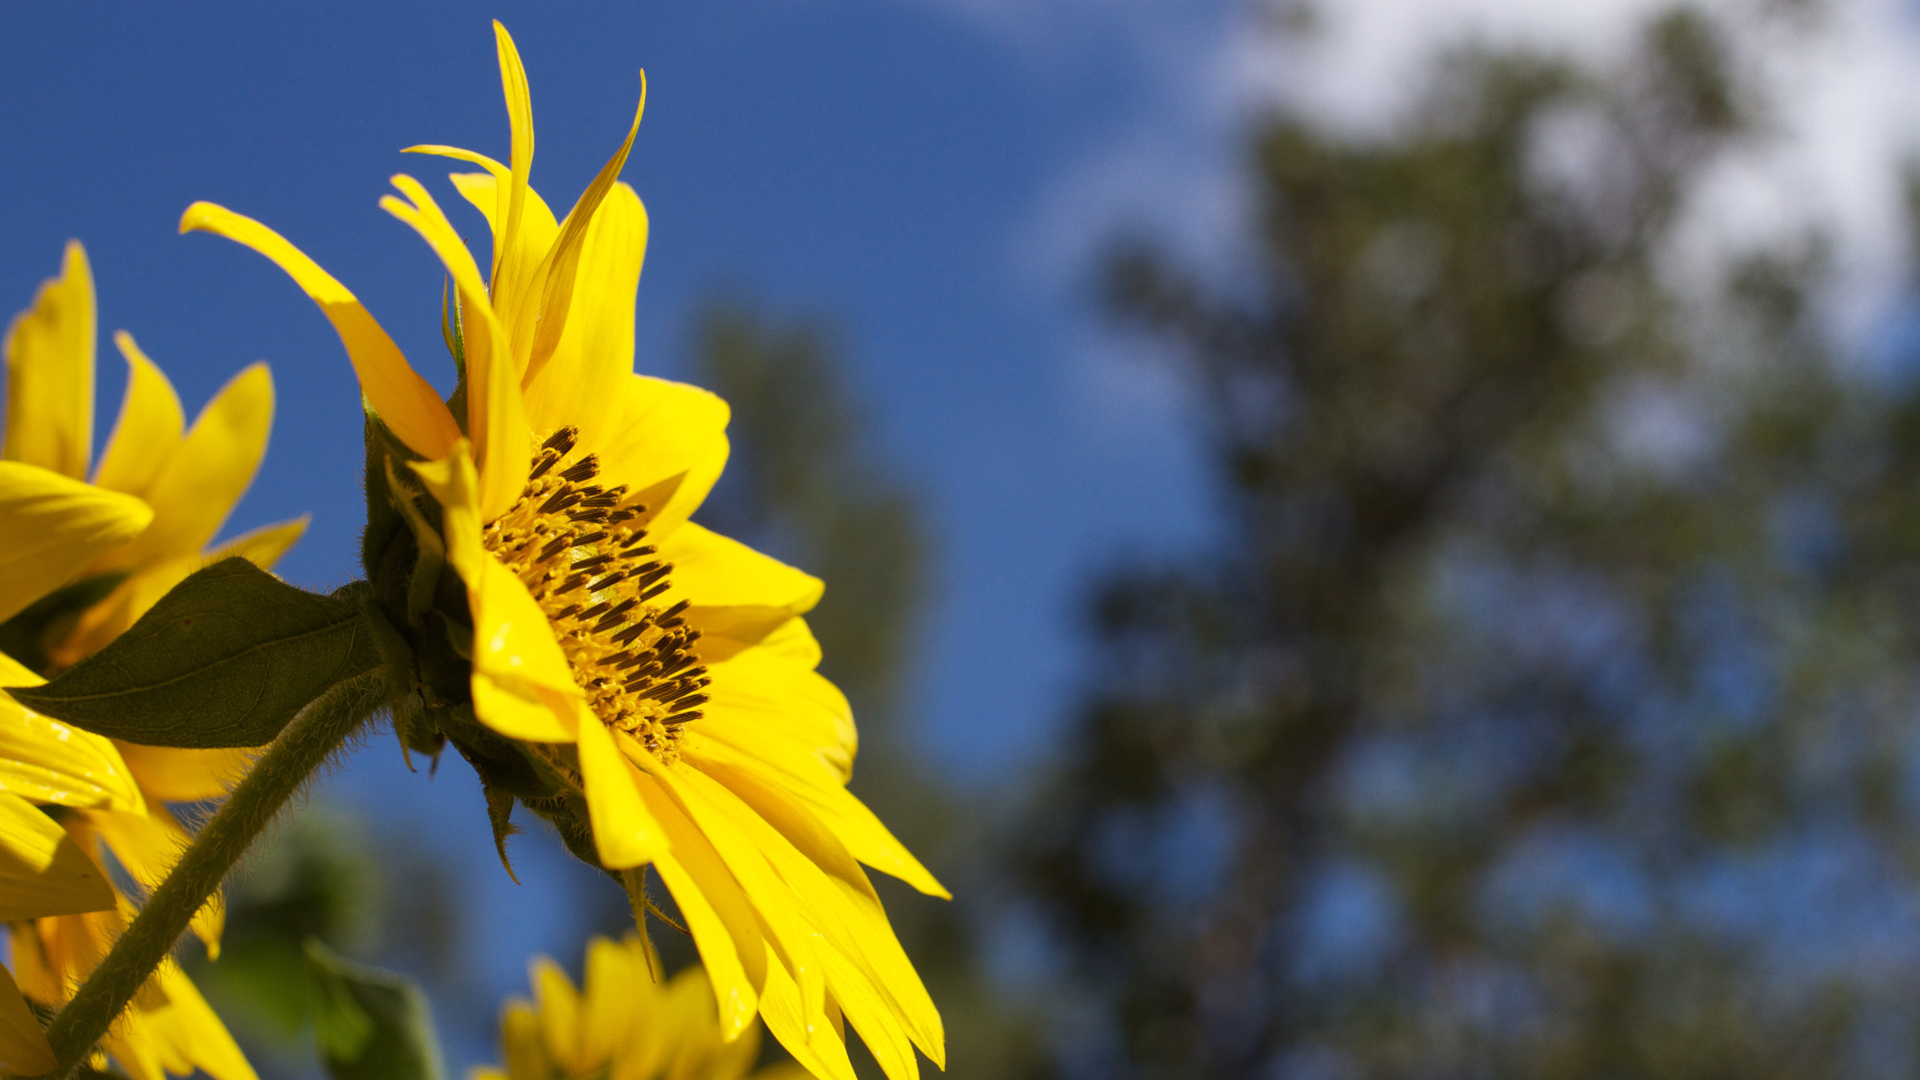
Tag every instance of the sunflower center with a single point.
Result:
(580, 550)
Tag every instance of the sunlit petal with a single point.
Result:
(49, 350)
(403, 400)
(53, 527)
(150, 427)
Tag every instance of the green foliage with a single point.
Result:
(225, 659)
(315, 876)
(370, 1024)
(1562, 637)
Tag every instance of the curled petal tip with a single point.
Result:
(196, 216)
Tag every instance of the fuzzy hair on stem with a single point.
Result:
(322, 728)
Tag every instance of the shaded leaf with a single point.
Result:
(370, 1024)
(225, 659)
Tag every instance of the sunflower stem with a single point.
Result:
(289, 760)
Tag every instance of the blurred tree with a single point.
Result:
(1548, 711)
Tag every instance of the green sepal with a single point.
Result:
(383, 523)
(501, 763)
(500, 816)
(24, 637)
(225, 659)
(430, 556)
(418, 734)
(453, 328)
(370, 1024)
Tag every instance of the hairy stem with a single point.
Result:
(289, 760)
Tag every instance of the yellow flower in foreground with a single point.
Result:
(51, 527)
(622, 1025)
(664, 672)
(183, 483)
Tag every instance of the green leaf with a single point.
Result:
(370, 1024)
(225, 659)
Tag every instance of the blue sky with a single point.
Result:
(930, 175)
(926, 176)
(905, 169)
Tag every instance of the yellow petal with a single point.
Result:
(49, 351)
(716, 910)
(193, 492)
(149, 429)
(556, 275)
(200, 483)
(263, 546)
(521, 1042)
(738, 999)
(42, 870)
(522, 683)
(712, 570)
(558, 1006)
(513, 85)
(496, 413)
(874, 1017)
(772, 708)
(618, 989)
(624, 833)
(833, 896)
(403, 400)
(774, 902)
(702, 1054)
(134, 1047)
(537, 224)
(816, 1046)
(662, 1018)
(537, 231)
(44, 761)
(667, 443)
(519, 710)
(23, 1046)
(727, 632)
(513, 642)
(584, 378)
(34, 967)
(190, 1031)
(52, 527)
(179, 774)
(832, 806)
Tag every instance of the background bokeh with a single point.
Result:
(1367, 539)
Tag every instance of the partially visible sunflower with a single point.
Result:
(112, 795)
(50, 528)
(657, 676)
(622, 1025)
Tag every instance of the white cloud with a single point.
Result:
(1839, 82)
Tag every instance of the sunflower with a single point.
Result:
(661, 672)
(621, 1025)
(50, 528)
(112, 795)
